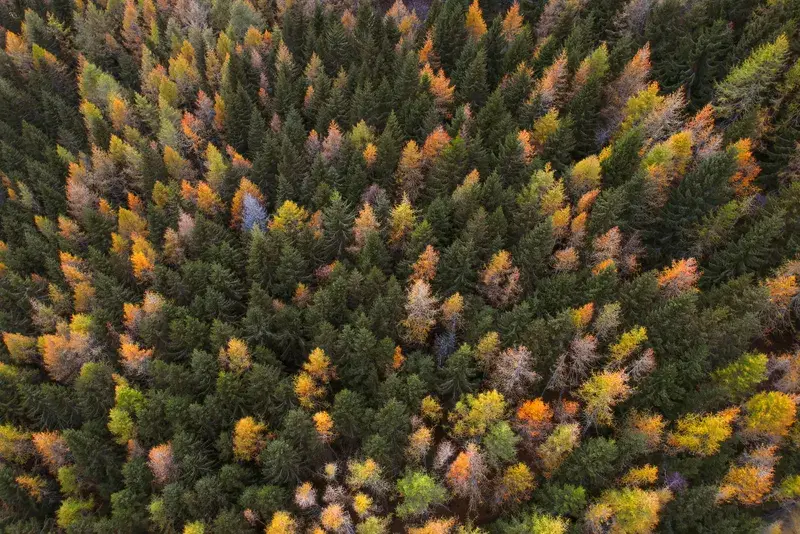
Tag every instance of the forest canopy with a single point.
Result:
(461, 266)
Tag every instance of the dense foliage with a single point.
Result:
(294, 266)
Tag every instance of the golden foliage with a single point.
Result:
(208, 201)
(627, 511)
(702, 434)
(281, 523)
(434, 144)
(365, 224)
(558, 445)
(370, 154)
(289, 218)
(747, 484)
(21, 348)
(401, 220)
(601, 393)
(434, 526)
(517, 483)
(475, 24)
(421, 308)
(53, 449)
(441, 89)
(419, 443)
(650, 427)
(641, 476)
(452, 309)
(34, 485)
(628, 343)
(161, 462)
(769, 414)
(409, 171)
(15, 445)
(488, 348)
(324, 425)
(305, 496)
(431, 409)
(319, 366)
(235, 356)
(249, 437)
(747, 169)
(143, 258)
(472, 415)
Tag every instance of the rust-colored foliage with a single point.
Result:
(425, 267)
(680, 277)
(53, 449)
(534, 418)
(132, 356)
(512, 22)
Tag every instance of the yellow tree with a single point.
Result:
(516, 485)
(475, 24)
(769, 414)
(601, 393)
(364, 225)
(419, 443)
(305, 496)
(401, 221)
(324, 425)
(440, 88)
(235, 356)
(627, 511)
(645, 475)
(143, 258)
(53, 449)
(472, 415)
(749, 484)
(436, 141)
(132, 356)
(281, 523)
(558, 445)
(702, 435)
(21, 348)
(409, 171)
(246, 188)
(249, 437)
(649, 427)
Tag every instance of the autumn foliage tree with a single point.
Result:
(444, 267)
